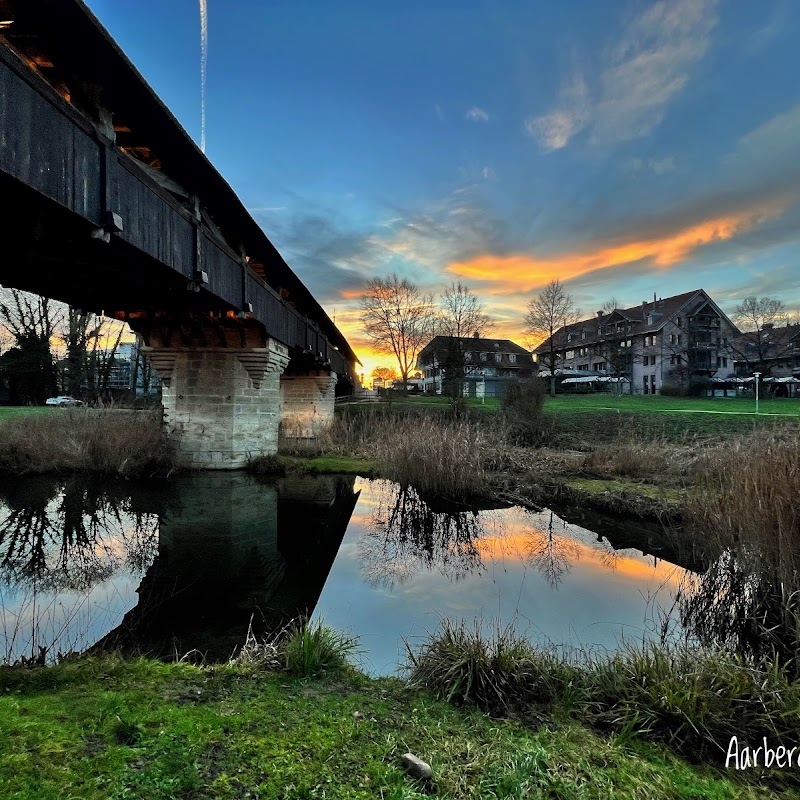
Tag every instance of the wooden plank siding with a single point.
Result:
(50, 147)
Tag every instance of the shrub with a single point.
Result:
(668, 390)
(692, 699)
(745, 509)
(129, 443)
(500, 674)
(311, 648)
(699, 386)
(522, 407)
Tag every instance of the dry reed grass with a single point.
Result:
(690, 698)
(129, 443)
(746, 509)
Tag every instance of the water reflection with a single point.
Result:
(167, 568)
(405, 563)
(405, 534)
(162, 568)
(73, 535)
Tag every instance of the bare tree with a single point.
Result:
(461, 317)
(29, 322)
(757, 316)
(398, 318)
(550, 311)
(610, 305)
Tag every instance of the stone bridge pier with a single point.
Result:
(227, 394)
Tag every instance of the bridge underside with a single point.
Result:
(143, 229)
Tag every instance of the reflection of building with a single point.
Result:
(488, 366)
(672, 340)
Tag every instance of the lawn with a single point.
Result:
(658, 403)
(9, 412)
(114, 729)
(630, 403)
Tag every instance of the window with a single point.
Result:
(569, 354)
(583, 334)
(678, 322)
(468, 356)
(498, 356)
(512, 357)
(600, 366)
(484, 356)
(672, 338)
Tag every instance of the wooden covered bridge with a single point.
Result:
(110, 206)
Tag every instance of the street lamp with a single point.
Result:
(756, 375)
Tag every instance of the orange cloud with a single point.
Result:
(521, 273)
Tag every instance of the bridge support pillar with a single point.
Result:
(221, 404)
(307, 404)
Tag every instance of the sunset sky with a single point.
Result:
(624, 147)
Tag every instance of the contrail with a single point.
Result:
(203, 63)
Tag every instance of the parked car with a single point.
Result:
(63, 402)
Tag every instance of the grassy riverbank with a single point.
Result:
(119, 442)
(107, 728)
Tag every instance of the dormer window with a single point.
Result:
(468, 356)
(498, 356)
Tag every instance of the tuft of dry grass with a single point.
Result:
(745, 509)
(434, 453)
(692, 699)
(129, 443)
(444, 457)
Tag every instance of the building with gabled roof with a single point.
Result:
(669, 341)
(772, 350)
(488, 365)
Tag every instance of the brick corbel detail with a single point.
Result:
(257, 361)
(162, 360)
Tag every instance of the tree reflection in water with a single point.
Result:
(405, 535)
(553, 554)
(72, 535)
(59, 540)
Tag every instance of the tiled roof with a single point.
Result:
(660, 311)
(775, 342)
(478, 345)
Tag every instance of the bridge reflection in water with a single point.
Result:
(189, 564)
(213, 551)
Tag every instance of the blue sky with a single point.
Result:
(624, 147)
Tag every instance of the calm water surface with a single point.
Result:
(187, 564)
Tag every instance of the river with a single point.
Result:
(189, 564)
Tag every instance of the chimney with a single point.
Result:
(654, 298)
(600, 313)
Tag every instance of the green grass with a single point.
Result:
(110, 729)
(10, 412)
(602, 485)
(678, 405)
